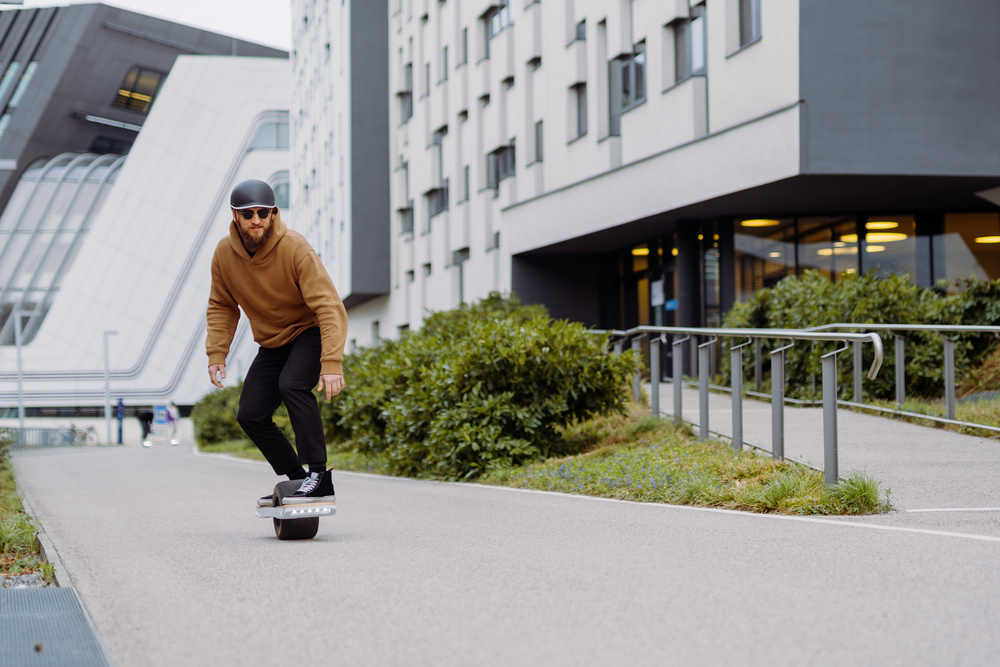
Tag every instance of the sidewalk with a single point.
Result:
(926, 468)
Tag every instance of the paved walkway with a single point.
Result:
(173, 567)
(937, 478)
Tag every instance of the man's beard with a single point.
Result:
(253, 244)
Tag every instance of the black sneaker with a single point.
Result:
(317, 487)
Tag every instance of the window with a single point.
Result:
(406, 95)
(139, 88)
(465, 183)
(465, 47)
(578, 94)
(4, 122)
(495, 20)
(22, 86)
(8, 78)
(581, 30)
(749, 21)
(628, 84)
(689, 45)
(444, 63)
(271, 136)
(437, 199)
(103, 145)
(539, 134)
(427, 79)
(499, 165)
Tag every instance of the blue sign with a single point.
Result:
(670, 304)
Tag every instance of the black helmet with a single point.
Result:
(252, 194)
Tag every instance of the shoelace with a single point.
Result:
(308, 484)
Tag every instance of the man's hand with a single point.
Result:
(331, 383)
(213, 372)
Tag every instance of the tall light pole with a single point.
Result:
(107, 386)
(20, 373)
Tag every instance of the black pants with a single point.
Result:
(285, 374)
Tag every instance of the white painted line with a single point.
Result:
(714, 510)
(777, 517)
(958, 509)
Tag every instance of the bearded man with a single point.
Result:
(300, 323)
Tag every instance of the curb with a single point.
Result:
(47, 550)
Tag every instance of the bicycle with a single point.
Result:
(80, 436)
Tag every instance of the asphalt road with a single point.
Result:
(174, 569)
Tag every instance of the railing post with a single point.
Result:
(778, 404)
(678, 362)
(830, 417)
(703, 361)
(637, 381)
(949, 377)
(654, 375)
(900, 372)
(736, 373)
(758, 363)
(618, 347)
(858, 373)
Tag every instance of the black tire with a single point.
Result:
(292, 529)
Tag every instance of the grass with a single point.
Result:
(19, 553)
(646, 459)
(985, 411)
(641, 457)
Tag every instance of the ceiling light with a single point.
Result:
(673, 251)
(760, 223)
(826, 252)
(875, 248)
(849, 238)
(640, 252)
(884, 237)
(776, 253)
(988, 239)
(882, 224)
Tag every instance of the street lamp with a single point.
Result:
(20, 374)
(107, 386)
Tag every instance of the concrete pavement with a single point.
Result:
(163, 547)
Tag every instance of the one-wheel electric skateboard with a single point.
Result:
(299, 521)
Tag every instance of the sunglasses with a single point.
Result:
(262, 213)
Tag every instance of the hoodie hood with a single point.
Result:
(278, 230)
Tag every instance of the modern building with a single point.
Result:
(632, 162)
(113, 275)
(340, 139)
(82, 78)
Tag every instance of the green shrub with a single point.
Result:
(6, 442)
(812, 300)
(214, 417)
(476, 388)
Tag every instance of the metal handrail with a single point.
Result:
(949, 364)
(777, 364)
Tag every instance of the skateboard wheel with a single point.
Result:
(292, 529)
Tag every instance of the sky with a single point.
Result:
(266, 22)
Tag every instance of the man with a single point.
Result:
(299, 322)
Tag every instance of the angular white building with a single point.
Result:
(117, 249)
(634, 162)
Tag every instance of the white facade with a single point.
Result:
(321, 150)
(142, 269)
(472, 94)
(540, 146)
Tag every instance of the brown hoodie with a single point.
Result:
(283, 289)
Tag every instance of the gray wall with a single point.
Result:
(83, 54)
(568, 285)
(370, 215)
(900, 86)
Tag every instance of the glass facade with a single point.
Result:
(933, 249)
(41, 229)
